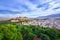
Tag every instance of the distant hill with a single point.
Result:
(3, 19)
(50, 16)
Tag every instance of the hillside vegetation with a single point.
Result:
(11, 31)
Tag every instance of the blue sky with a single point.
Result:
(28, 8)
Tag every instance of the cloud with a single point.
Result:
(29, 8)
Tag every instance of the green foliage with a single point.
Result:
(52, 33)
(44, 36)
(1, 36)
(11, 31)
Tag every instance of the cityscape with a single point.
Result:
(29, 19)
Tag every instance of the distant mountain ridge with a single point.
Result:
(3, 18)
(50, 16)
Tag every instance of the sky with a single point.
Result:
(29, 8)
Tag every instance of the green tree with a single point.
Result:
(44, 36)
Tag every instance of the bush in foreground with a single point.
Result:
(24, 32)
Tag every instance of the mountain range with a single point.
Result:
(49, 16)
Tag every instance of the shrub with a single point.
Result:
(52, 33)
(44, 36)
(1, 36)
